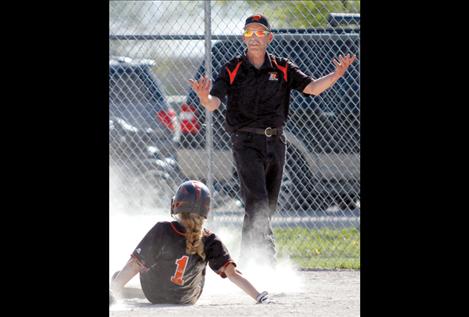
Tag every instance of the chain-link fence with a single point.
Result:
(160, 135)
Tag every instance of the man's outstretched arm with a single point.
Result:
(316, 87)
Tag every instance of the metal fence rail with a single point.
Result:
(160, 135)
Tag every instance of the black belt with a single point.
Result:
(268, 132)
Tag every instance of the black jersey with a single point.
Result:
(171, 275)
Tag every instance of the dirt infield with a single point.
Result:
(304, 293)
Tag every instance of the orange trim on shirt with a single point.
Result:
(222, 274)
(176, 230)
(145, 267)
(233, 73)
(283, 69)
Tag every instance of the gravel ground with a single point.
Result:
(303, 293)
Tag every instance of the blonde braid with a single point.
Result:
(193, 224)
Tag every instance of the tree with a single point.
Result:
(300, 14)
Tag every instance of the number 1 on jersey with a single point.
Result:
(180, 269)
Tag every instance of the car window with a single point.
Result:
(134, 95)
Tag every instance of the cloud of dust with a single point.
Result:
(130, 218)
(129, 222)
(279, 279)
(125, 198)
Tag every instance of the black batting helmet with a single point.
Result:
(193, 197)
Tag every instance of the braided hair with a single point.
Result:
(194, 232)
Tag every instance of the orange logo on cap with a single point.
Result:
(256, 17)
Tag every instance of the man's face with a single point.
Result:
(256, 43)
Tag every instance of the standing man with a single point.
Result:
(258, 87)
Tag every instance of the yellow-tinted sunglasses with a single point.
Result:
(249, 33)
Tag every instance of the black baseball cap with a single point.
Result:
(258, 18)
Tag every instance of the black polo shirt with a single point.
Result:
(163, 253)
(258, 98)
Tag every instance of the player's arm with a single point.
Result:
(202, 88)
(235, 277)
(131, 269)
(316, 87)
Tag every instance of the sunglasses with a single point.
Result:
(249, 33)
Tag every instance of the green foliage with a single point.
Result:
(301, 14)
(323, 248)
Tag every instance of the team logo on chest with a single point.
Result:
(273, 76)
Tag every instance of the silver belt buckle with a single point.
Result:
(266, 132)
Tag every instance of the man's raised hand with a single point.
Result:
(343, 63)
(201, 86)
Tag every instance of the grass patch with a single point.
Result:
(323, 248)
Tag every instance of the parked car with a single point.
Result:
(135, 95)
(322, 168)
(141, 133)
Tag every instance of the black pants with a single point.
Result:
(259, 162)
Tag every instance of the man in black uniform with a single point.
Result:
(258, 87)
(172, 257)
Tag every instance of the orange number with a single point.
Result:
(180, 269)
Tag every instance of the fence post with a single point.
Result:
(208, 71)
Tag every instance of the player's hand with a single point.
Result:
(201, 86)
(342, 64)
(263, 298)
